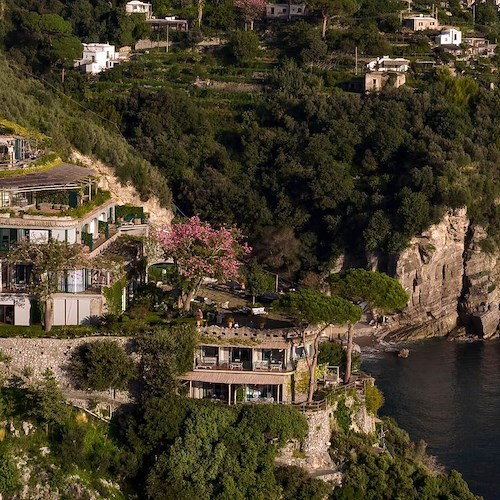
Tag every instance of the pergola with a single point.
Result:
(62, 177)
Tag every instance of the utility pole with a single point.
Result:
(356, 59)
(473, 13)
(167, 36)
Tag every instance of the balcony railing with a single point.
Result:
(213, 363)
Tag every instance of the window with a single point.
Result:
(7, 315)
(284, 10)
(272, 11)
(299, 10)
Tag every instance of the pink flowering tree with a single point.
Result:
(201, 251)
(251, 10)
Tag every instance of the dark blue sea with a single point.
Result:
(448, 394)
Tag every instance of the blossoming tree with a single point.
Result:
(251, 10)
(201, 251)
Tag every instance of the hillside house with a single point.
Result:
(16, 151)
(450, 36)
(421, 23)
(285, 11)
(170, 22)
(375, 81)
(480, 47)
(97, 57)
(62, 203)
(247, 364)
(386, 64)
(385, 71)
(138, 7)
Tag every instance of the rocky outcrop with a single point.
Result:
(450, 281)
(479, 304)
(431, 271)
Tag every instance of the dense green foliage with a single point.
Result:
(166, 353)
(297, 485)
(308, 173)
(46, 33)
(79, 451)
(210, 451)
(378, 290)
(374, 399)
(333, 354)
(404, 472)
(28, 103)
(102, 365)
(314, 308)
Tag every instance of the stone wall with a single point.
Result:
(313, 454)
(37, 355)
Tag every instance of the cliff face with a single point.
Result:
(479, 304)
(450, 281)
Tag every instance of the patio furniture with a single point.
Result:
(261, 365)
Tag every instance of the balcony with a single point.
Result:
(242, 359)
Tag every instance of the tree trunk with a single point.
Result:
(200, 11)
(186, 299)
(323, 27)
(348, 365)
(312, 370)
(251, 25)
(48, 317)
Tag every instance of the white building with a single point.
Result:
(385, 64)
(138, 7)
(285, 11)
(97, 57)
(450, 36)
(39, 208)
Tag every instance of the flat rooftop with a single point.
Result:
(64, 175)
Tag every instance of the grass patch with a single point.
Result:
(42, 164)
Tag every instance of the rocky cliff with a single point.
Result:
(450, 281)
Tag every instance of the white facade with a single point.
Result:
(285, 11)
(97, 57)
(138, 7)
(451, 36)
(385, 64)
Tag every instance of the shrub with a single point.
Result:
(101, 365)
(243, 46)
(374, 398)
(297, 484)
(9, 475)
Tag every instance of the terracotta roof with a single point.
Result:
(251, 378)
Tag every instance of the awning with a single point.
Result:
(250, 378)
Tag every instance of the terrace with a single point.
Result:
(244, 358)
